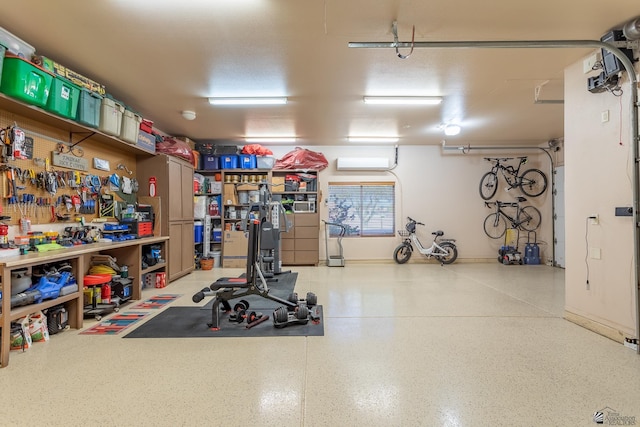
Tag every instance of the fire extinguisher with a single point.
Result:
(106, 293)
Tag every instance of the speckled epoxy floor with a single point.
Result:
(404, 345)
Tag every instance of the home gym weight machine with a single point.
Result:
(226, 289)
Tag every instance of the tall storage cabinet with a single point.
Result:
(174, 186)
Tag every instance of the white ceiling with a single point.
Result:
(165, 56)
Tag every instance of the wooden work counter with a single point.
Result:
(128, 253)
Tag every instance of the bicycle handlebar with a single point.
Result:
(413, 220)
(497, 159)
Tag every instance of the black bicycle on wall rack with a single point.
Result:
(527, 218)
(532, 182)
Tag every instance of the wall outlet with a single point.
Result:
(590, 62)
(595, 219)
(595, 253)
(604, 116)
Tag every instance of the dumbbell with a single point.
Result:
(254, 319)
(239, 311)
(310, 300)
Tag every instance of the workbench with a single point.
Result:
(128, 253)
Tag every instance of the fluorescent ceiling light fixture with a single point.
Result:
(270, 139)
(403, 100)
(279, 100)
(451, 130)
(383, 139)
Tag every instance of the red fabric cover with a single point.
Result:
(175, 147)
(301, 158)
(256, 149)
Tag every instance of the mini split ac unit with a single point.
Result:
(362, 164)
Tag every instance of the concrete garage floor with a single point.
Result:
(404, 345)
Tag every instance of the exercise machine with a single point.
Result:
(226, 289)
(334, 260)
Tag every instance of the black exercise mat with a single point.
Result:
(282, 286)
(191, 322)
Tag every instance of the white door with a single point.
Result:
(558, 218)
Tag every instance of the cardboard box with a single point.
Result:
(229, 196)
(248, 187)
(215, 187)
(234, 262)
(62, 71)
(235, 244)
(277, 184)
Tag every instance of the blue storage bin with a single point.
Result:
(210, 162)
(198, 229)
(248, 161)
(229, 161)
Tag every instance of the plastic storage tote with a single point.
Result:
(248, 161)
(25, 81)
(130, 126)
(228, 161)
(89, 108)
(63, 98)
(111, 116)
(2, 51)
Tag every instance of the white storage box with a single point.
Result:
(130, 126)
(111, 116)
(16, 45)
(265, 162)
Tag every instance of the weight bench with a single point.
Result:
(226, 289)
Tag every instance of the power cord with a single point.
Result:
(586, 239)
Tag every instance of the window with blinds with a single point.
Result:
(366, 209)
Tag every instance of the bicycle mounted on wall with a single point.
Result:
(527, 218)
(532, 182)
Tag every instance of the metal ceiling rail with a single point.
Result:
(562, 44)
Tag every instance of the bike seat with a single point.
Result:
(521, 199)
(438, 233)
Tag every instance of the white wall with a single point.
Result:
(435, 187)
(598, 167)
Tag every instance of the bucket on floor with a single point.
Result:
(216, 258)
(206, 263)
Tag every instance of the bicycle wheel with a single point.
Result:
(488, 185)
(452, 253)
(402, 253)
(529, 218)
(533, 182)
(495, 226)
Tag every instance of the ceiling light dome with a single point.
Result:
(451, 130)
(189, 115)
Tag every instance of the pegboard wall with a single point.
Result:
(22, 191)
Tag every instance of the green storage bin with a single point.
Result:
(25, 81)
(63, 98)
(89, 108)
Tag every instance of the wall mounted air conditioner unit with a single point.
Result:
(362, 164)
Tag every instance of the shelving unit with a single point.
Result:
(299, 195)
(94, 135)
(298, 190)
(127, 253)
